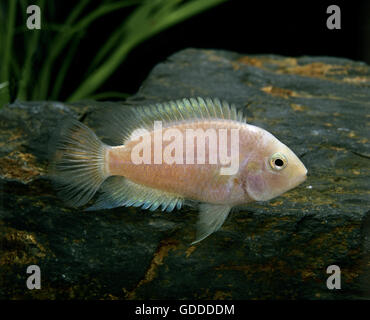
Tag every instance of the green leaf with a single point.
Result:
(4, 94)
(9, 31)
(147, 20)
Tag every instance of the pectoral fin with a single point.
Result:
(211, 218)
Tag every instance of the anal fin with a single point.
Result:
(211, 218)
(118, 191)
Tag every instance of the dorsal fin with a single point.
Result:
(122, 121)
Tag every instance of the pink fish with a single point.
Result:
(190, 149)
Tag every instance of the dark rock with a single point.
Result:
(275, 250)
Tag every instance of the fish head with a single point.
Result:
(275, 169)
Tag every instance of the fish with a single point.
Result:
(167, 155)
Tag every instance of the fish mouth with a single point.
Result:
(303, 177)
(305, 174)
(300, 178)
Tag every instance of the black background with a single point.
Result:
(290, 28)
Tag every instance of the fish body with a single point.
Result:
(190, 149)
(200, 182)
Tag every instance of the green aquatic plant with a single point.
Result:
(24, 77)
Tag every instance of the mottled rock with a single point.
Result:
(280, 249)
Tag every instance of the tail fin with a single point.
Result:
(77, 162)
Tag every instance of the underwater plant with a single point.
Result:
(35, 64)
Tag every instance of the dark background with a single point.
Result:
(290, 28)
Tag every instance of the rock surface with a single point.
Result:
(276, 250)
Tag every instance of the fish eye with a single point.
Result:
(278, 161)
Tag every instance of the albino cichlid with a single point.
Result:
(191, 149)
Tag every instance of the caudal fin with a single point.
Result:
(77, 162)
